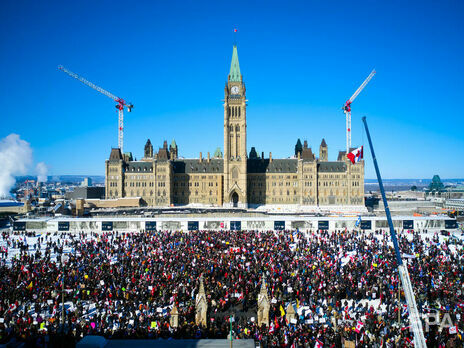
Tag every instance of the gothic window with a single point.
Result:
(235, 173)
(237, 128)
(239, 111)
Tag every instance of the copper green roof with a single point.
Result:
(173, 144)
(218, 153)
(234, 74)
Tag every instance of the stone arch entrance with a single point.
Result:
(234, 199)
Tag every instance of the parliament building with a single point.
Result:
(235, 178)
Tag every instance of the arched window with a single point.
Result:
(239, 111)
(237, 128)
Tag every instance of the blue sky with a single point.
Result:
(300, 62)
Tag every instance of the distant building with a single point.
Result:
(235, 179)
(87, 182)
(85, 192)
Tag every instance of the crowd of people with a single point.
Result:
(343, 286)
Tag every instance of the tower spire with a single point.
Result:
(234, 74)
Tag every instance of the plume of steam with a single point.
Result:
(42, 171)
(15, 158)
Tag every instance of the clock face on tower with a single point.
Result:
(234, 90)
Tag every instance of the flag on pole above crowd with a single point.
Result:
(359, 327)
(356, 155)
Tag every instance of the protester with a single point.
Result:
(343, 286)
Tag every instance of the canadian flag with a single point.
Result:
(359, 326)
(271, 328)
(318, 344)
(356, 155)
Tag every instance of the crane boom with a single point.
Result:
(414, 315)
(121, 103)
(88, 83)
(366, 81)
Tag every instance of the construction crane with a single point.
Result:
(414, 315)
(347, 110)
(121, 103)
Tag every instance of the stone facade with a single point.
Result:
(201, 306)
(236, 179)
(263, 305)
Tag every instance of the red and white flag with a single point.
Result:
(359, 327)
(356, 155)
(318, 344)
(453, 330)
(271, 328)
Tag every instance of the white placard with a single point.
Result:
(252, 319)
(273, 300)
(159, 310)
(293, 321)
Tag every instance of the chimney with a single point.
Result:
(262, 155)
(200, 158)
(270, 157)
(208, 157)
